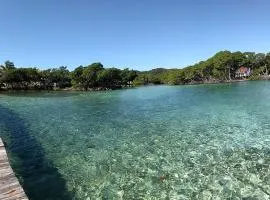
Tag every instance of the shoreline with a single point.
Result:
(217, 82)
(109, 89)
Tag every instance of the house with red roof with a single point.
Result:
(243, 72)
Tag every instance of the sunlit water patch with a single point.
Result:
(179, 142)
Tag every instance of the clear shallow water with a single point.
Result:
(179, 142)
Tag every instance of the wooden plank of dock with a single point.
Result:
(10, 188)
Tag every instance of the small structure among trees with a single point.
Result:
(243, 72)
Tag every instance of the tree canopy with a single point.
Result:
(219, 68)
(93, 76)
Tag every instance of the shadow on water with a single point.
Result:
(39, 178)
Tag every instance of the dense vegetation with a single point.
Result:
(219, 68)
(94, 77)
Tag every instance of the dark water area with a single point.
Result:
(37, 175)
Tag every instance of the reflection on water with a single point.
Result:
(186, 142)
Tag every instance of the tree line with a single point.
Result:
(222, 67)
(94, 77)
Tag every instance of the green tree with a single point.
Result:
(128, 76)
(250, 59)
(110, 78)
(267, 63)
(60, 77)
(90, 74)
(260, 60)
(22, 78)
(8, 65)
(222, 63)
(77, 78)
(46, 79)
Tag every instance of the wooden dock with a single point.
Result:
(10, 188)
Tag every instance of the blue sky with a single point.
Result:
(139, 34)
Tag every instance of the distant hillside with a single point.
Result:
(219, 68)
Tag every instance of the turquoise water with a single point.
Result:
(160, 142)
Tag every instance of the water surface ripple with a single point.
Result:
(164, 142)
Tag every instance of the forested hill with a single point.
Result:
(219, 68)
(222, 67)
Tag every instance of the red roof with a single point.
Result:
(243, 69)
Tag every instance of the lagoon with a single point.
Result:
(156, 142)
